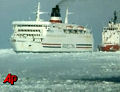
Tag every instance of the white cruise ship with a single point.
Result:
(50, 36)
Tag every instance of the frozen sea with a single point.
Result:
(61, 72)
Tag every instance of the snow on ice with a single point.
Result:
(61, 72)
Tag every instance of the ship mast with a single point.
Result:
(115, 17)
(38, 13)
(66, 17)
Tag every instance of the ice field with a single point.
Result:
(61, 72)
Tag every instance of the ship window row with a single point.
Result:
(110, 28)
(74, 31)
(28, 34)
(21, 30)
(32, 25)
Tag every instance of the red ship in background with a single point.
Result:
(111, 35)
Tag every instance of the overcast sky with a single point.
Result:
(92, 13)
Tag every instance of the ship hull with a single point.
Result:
(110, 48)
(55, 42)
(41, 48)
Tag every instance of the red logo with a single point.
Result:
(10, 79)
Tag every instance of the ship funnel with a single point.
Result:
(55, 15)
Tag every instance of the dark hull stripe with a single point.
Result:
(51, 47)
(83, 47)
(83, 44)
(50, 44)
(60, 47)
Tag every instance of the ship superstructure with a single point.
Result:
(111, 35)
(50, 36)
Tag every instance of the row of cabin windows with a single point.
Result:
(32, 25)
(74, 31)
(110, 28)
(21, 30)
(28, 34)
